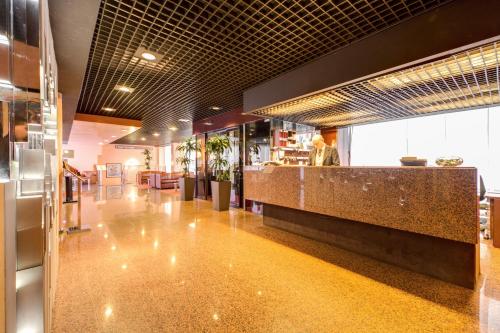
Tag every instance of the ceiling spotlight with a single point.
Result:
(143, 139)
(106, 140)
(124, 130)
(100, 143)
(143, 53)
(109, 109)
(216, 108)
(113, 136)
(156, 134)
(208, 123)
(182, 120)
(124, 89)
(173, 128)
(148, 56)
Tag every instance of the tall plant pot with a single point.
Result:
(186, 184)
(221, 195)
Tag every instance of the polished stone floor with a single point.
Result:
(152, 263)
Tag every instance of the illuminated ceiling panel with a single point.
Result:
(462, 81)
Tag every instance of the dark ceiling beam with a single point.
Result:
(439, 32)
(224, 120)
(73, 23)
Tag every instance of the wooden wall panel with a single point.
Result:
(107, 120)
(330, 135)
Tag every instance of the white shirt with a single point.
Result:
(319, 156)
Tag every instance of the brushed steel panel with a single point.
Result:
(29, 232)
(32, 164)
(8, 215)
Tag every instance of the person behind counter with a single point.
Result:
(322, 154)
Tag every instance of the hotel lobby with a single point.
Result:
(249, 166)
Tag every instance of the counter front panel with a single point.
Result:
(439, 202)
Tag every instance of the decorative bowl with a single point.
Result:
(413, 162)
(451, 161)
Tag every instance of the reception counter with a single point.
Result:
(421, 218)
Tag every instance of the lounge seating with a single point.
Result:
(146, 177)
(167, 180)
(89, 177)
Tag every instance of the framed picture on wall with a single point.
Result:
(113, 170)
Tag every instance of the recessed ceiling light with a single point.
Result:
(124, 130)
(109, 109)
(182, 120)
(124, 89)
(216, 108)
(143, 139)
(100, 143)
(106, 140)
(156, 134)
(113, 136)
(173, 128)
(148, 56)
(208, 123)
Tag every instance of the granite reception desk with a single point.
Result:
(421, 218)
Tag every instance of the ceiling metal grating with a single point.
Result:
(462, 81)
(211, 51)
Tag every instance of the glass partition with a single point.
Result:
(235, 160)
(201, 188)
(257, 142)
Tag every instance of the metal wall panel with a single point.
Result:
(8, 222)
(29, 232)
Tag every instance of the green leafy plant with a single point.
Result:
(185, 149)
(254, 149)
(147, 158)
(216, 147)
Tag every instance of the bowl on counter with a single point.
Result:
(451, 161)
(413, 161)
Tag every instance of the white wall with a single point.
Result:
(132, 160)
(85, 155)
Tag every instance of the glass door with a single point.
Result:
(201, 188)
(235, 167)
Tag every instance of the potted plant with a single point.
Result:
(254, 151)
(221, 186)
(186, 183)
(147, 158)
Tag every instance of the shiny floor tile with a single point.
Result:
(152, 263)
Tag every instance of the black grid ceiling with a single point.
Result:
(466, 80)
(214, 50)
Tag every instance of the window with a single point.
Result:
(473, 135)
(168, 158)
